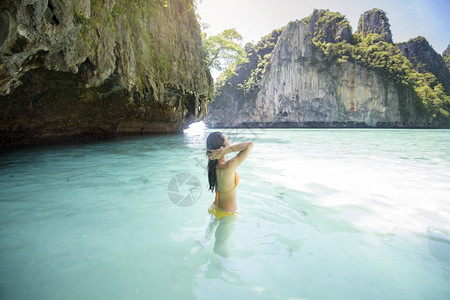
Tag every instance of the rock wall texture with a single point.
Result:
(303, 88)
(81, 69)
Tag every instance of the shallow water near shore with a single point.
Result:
(324, 214)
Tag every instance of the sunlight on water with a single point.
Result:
(196, 128)
(324, 214)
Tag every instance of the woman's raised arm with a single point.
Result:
(244, 150)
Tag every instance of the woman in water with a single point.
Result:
(222, 175)
(223, 179)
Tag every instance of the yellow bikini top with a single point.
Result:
(236, 182)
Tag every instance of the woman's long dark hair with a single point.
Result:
(214, 141)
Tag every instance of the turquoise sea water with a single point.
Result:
(324, 214)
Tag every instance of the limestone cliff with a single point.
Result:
(76, 69)
(306, 85)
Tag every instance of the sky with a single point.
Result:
(254, 19)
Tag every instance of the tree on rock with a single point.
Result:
(224, 51)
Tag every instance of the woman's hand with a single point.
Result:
(215, 153)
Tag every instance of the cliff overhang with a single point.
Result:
(76, 70)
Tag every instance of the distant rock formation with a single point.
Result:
(424, 59)
(315, 79)
(375, 21)
(82, 69)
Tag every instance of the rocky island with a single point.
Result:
(316, 73)
(83, 69)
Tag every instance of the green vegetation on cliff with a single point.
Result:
(425, 60)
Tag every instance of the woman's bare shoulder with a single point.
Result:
(223, 167)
